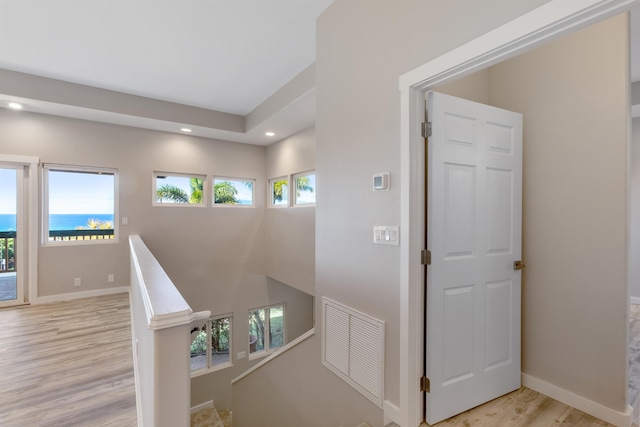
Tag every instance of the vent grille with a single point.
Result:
(353, 348)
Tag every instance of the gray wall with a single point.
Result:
(299, 319)
(575, 291)
(634, 211)
(206, 252)
(290, 232)
(363, 47)
(289, 245)
(214, 256)
(292, 390)
(635, 92)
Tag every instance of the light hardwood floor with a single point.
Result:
(523, 408)
(70, 364)
(634, 362)
(67, 364)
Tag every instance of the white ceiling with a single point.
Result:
(222, 55)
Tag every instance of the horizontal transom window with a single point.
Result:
(233, 191)
(179, 189)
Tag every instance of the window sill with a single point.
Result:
(232, 205)
(201, 372)
(80, 242)
(178, 205)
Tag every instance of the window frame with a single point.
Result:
(154, 189)
(231, 205)
(294, 179)
(211, 367)
(267, 350)
(271, 182)
(48, 167)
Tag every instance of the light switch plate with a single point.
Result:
(386, 235)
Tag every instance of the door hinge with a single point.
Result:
(425, 256)
(426, 129)
(425, 384)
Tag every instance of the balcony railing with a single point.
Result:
(70, 235)
(7, 251)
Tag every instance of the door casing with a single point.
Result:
(19, 241)
(543, 24)
(28, 222)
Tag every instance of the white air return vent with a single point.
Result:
(353, 348)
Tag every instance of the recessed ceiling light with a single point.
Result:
(187, 130)
(15, 106)
(270, 134)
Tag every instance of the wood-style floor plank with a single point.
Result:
(634, 357)
(67, 364)
(523, 408)
(70, 364)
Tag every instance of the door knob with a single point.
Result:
(518, 265)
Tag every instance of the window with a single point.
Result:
(80, 204)
(233, 192)
(211, 344)
(279, 189)
(266, 329)
(305, 189)
(179, 189)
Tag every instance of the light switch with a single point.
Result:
(386, 235)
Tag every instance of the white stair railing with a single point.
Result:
(160, 323)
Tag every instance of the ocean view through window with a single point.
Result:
(58, 221)
(8, 230)
(79, 204)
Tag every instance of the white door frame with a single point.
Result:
(543, 24)
(28, 220)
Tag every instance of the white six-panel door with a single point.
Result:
(474, 235)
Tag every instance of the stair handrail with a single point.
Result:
(275, 354)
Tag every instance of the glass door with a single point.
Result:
(11, 288)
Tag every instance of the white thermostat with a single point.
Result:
(381, 181)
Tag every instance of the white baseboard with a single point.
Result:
(77, 295)
(635, 300)
(391, 413)
(619, 419)
(200, 407)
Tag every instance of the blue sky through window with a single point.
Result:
(73, 192)
(8, 193)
